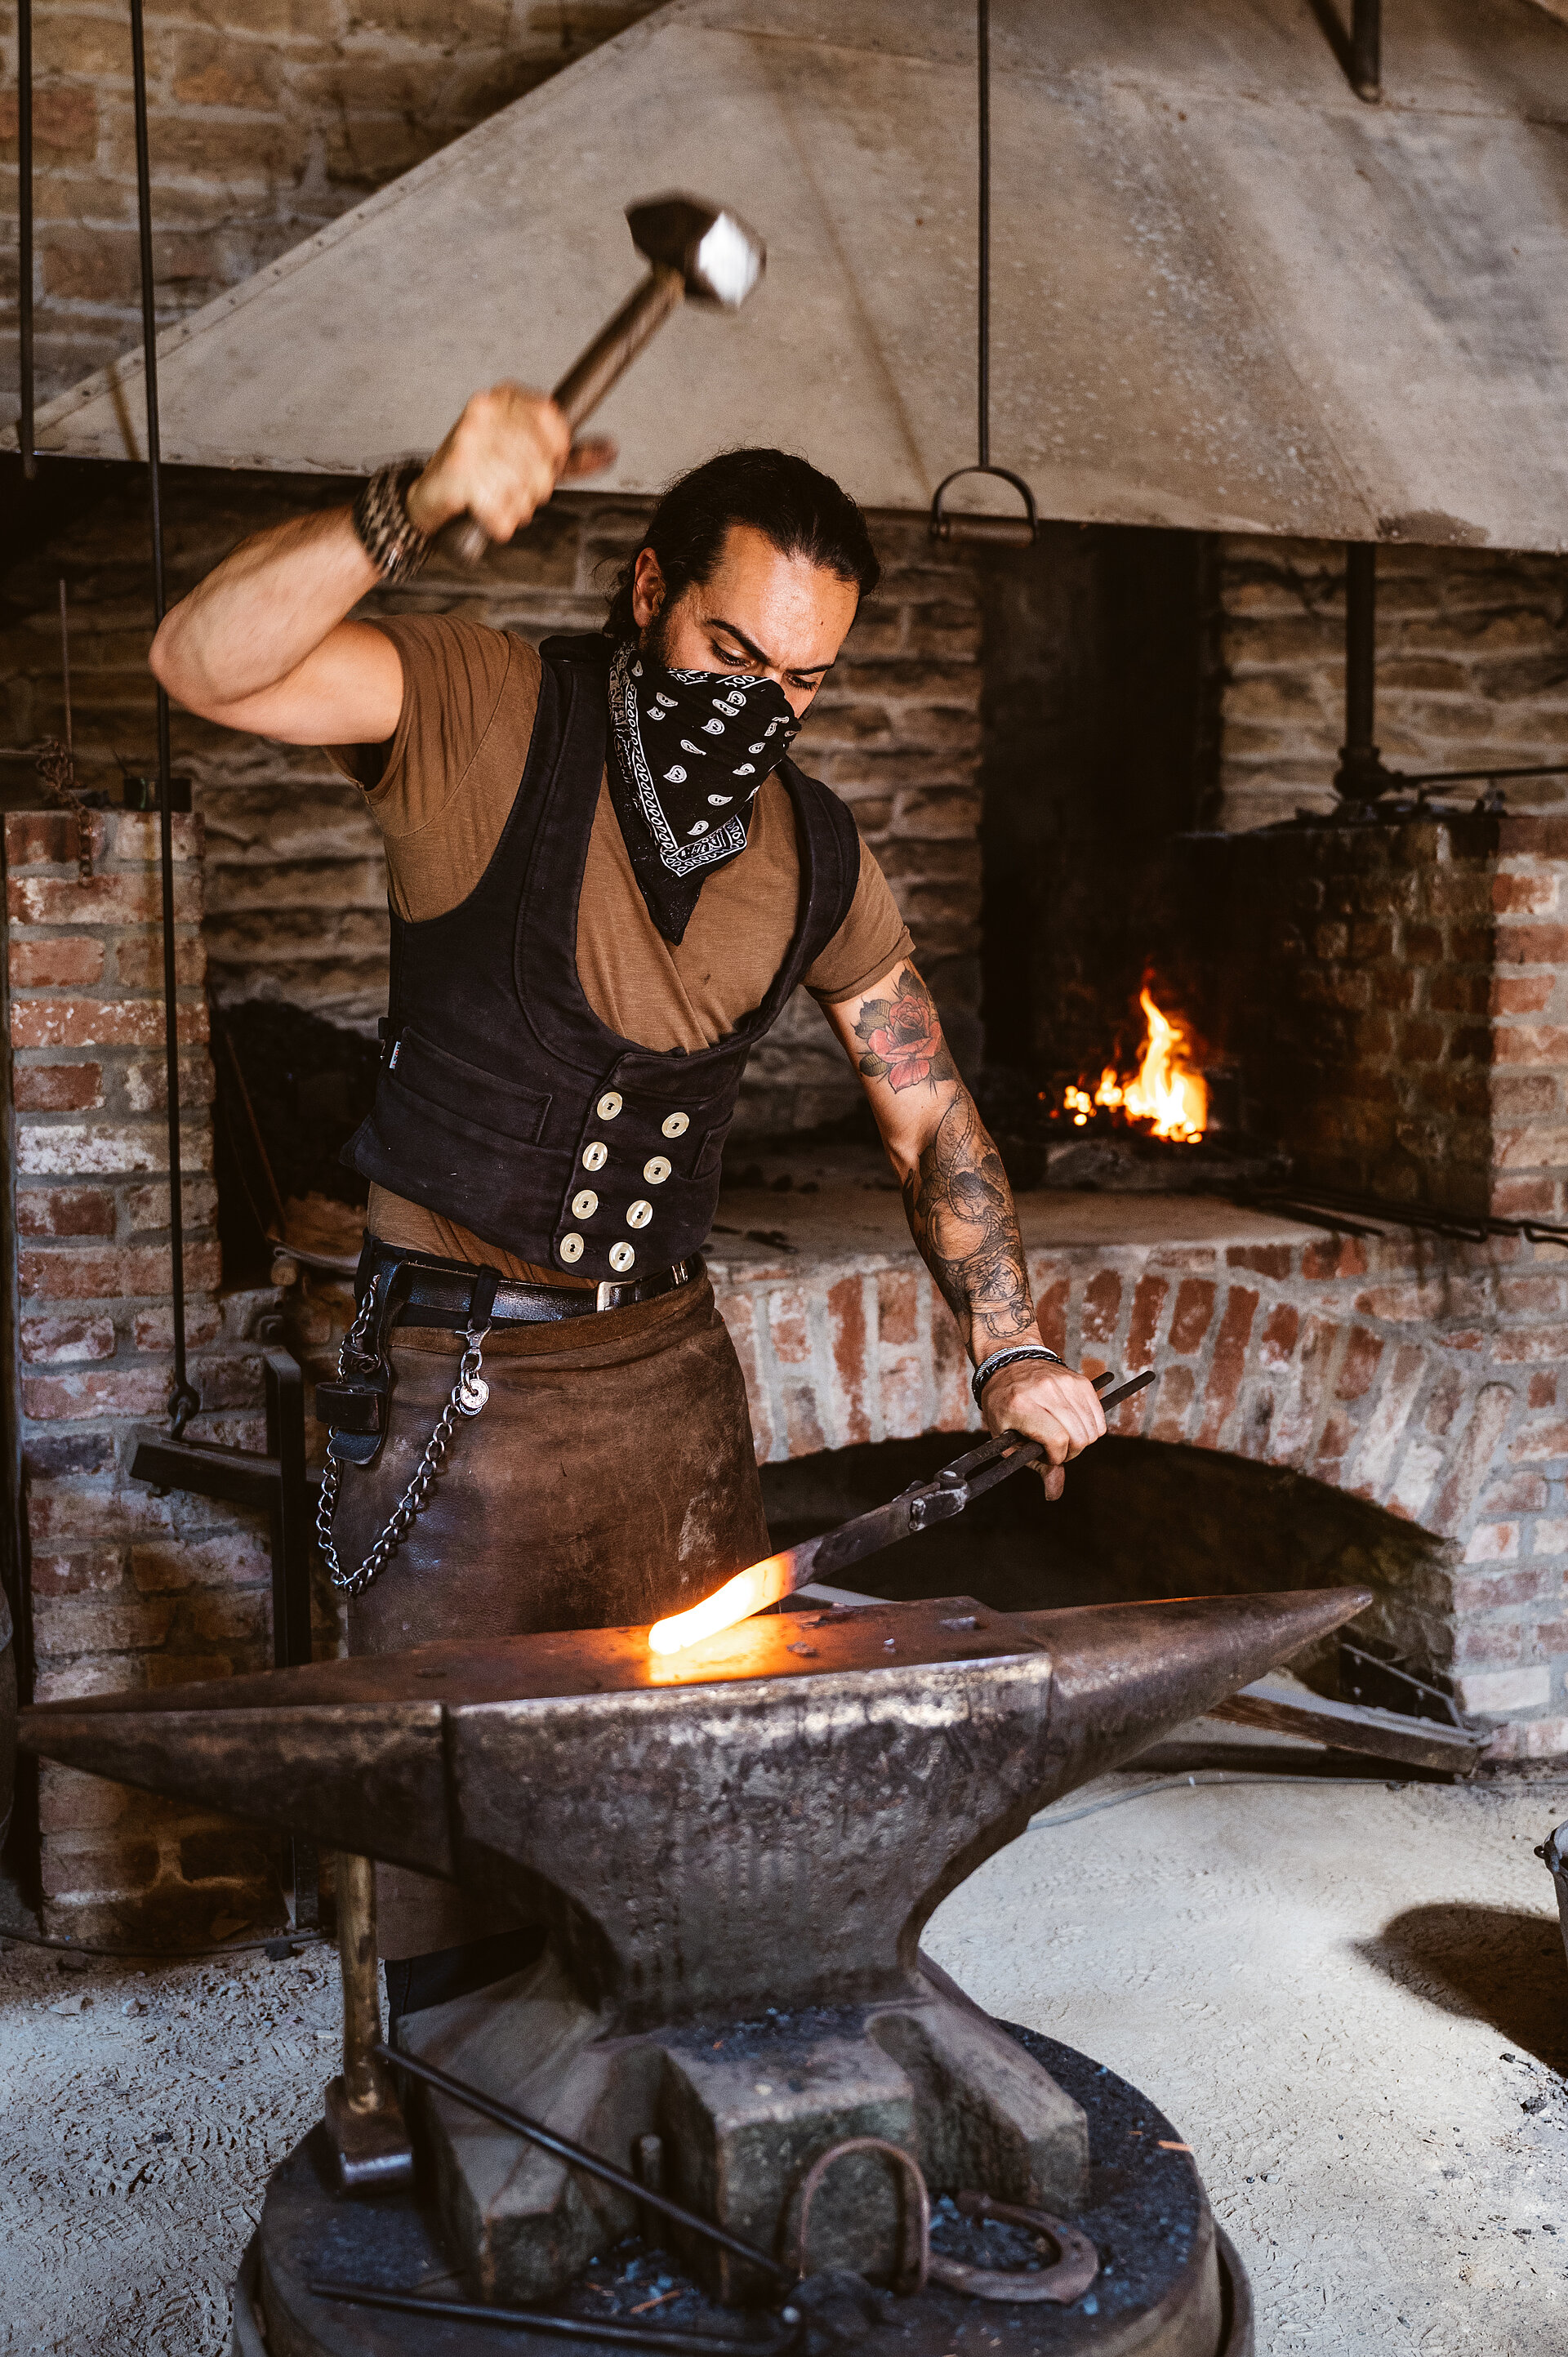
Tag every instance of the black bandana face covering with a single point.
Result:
(691, 750)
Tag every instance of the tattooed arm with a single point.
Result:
(960, 1209)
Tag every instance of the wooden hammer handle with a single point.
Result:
(586, 384)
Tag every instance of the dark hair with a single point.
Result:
(803, 512)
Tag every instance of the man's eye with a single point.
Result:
(727, 654)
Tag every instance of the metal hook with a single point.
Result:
(1002, 531)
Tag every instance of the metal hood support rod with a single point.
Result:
(184, 1401)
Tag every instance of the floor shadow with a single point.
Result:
(1483, 1964)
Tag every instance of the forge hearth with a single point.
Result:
(733, 1852)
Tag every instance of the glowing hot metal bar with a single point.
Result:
(916, 1508)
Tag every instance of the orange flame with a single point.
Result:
(1166, 1091)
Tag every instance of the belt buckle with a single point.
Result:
(605, 1298)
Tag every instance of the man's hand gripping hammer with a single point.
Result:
(695, 251)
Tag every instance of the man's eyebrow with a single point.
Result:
(717, 622)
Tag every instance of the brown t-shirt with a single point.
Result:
(441, 791)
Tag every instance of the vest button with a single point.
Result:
(609, 1105)
(595, 1156)
(584, 1205)
(656, 1170)
(675, 1124)
(621, 1258)
(639, 1214)
(571, 1247)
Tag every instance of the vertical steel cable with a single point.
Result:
(183, 1401)
(982, 55)
(25, 228)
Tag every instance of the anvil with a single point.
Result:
(754, 1832)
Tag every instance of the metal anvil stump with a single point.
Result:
(734, 1851)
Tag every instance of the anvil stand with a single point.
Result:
(670, 2023)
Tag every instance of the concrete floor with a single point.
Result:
(1353, 2001)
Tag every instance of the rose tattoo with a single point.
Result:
(902, 1036)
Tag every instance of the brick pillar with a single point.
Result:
(127, 1589)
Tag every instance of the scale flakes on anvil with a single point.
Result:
(762, 1824)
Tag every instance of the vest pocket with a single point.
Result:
(462, 1091)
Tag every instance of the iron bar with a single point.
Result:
(25, 229)
(537, 2319)
(1367, 50)
(535, 2131)
(1344, 1209)
(183, 1400)
(982, 376)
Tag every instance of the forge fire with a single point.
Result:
(1166, 1097)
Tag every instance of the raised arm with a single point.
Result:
(262, 643)
(960, 1212)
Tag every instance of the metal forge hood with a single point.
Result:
(1227, 295)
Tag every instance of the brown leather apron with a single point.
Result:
(609, 1479)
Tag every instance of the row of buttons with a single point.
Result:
(595, 1153)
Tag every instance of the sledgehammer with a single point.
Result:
(694, 250)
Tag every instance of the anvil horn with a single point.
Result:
(416, 1758)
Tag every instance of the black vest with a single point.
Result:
(503, 1102)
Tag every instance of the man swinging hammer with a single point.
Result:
(607, 878)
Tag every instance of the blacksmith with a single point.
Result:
(607, 878)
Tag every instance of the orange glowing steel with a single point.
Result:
(750, 1591)
(1165, 1092)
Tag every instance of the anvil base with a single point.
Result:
(1170, 2285)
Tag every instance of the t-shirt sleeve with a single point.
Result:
(872, 938)
(453, 675)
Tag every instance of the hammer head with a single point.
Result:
(720, 259)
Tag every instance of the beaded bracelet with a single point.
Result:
(1000, 1358)
(387, 534)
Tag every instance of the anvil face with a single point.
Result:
(764, 1822)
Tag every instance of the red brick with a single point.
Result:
(1174, 1394)
(43, 1338)
(59, 962)
(51, 1398)
(135, 1271)
(1543, 1391)
(1420, 1042)
(1469, 1463)
(847, 1331)
(64, 1211)
(1334, 1256)
(1492, 1590)
(1521, 994)
(1194, 1310)
(153, 1329)
(93, 1572)
(898, 1307)
(91, 1625)
(1542, 1439)
(1263, 1260)
(1512, 1348)
(1229, 1364)
(49, 838)
(1529, 896)
(65, 120)
(1551, 1636)
(1489, 1641)
(1279, 1330)
(101, 1023)
(1101, 1308)
(56, 1087)
(1050, 1315)
(1360, 1367)
(107, 901)
(1531, 945)
(1335, 1439)
(139, 961)
(137, 837)
(1517, 1493)
(1531, 1043)
(1148, 1300)
(1523, 1199)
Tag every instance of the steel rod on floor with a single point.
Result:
(183, 1400)
(25, 229)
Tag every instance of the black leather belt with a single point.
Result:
(423, 1291)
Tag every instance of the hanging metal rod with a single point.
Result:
(183, 1400)
(1363, 776)
(25, 229)
(1367, 50)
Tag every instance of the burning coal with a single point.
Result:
(1166, 1091)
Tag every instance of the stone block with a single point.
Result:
(1491, 1694)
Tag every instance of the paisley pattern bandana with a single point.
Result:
(691, 750)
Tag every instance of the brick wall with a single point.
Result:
(1472, 667)
(266, 120)
(127, 1589)
(295, 886)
